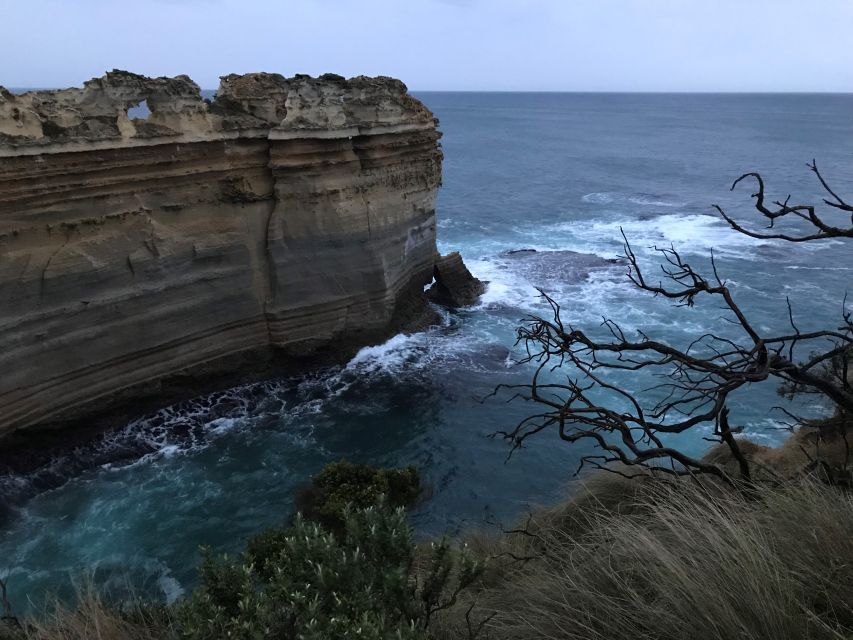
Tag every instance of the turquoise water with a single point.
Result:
(558, 173)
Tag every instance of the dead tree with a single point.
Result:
(631, 428)
(9, 620)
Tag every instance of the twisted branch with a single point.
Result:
(806, 212)
(696, 381)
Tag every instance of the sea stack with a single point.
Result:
(287, 217)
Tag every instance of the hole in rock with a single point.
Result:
(140, 111)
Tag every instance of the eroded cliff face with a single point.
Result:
(287, 215)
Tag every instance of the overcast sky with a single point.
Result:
(547, 45)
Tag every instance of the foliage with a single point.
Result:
(307, 583)
(349, 568)
(343, 484)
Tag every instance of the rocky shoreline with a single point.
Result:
(40, 455)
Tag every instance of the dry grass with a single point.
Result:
(826, 441)
(676, 560)
(93, 619)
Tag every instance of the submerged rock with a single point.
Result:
(543, 267)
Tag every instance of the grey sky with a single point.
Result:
(562, 45)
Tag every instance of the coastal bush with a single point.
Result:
(306, 582)
(671, 560)
(347, 568)
(344, 484)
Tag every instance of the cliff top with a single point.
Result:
(263, 103)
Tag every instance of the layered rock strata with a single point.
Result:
(286, 215)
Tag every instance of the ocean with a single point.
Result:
(557, 173)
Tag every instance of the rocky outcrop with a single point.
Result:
(454, 285)
(287, 216)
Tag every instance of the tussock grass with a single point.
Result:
(675, 559)
(91, 618)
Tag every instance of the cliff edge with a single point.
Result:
(285, 217)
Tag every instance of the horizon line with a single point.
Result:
(557, 91)
(622, 92)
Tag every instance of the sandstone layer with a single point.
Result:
(286, 216)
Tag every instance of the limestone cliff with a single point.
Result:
(287, 214)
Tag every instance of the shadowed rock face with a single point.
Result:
(288, 216)
(454, 285)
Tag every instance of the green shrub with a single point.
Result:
(307, 583)
(347, 569)
(342, 484)
(265, 547)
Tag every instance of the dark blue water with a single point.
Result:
(551, 172)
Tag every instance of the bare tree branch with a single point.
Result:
(806, 212)
(696, 382)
